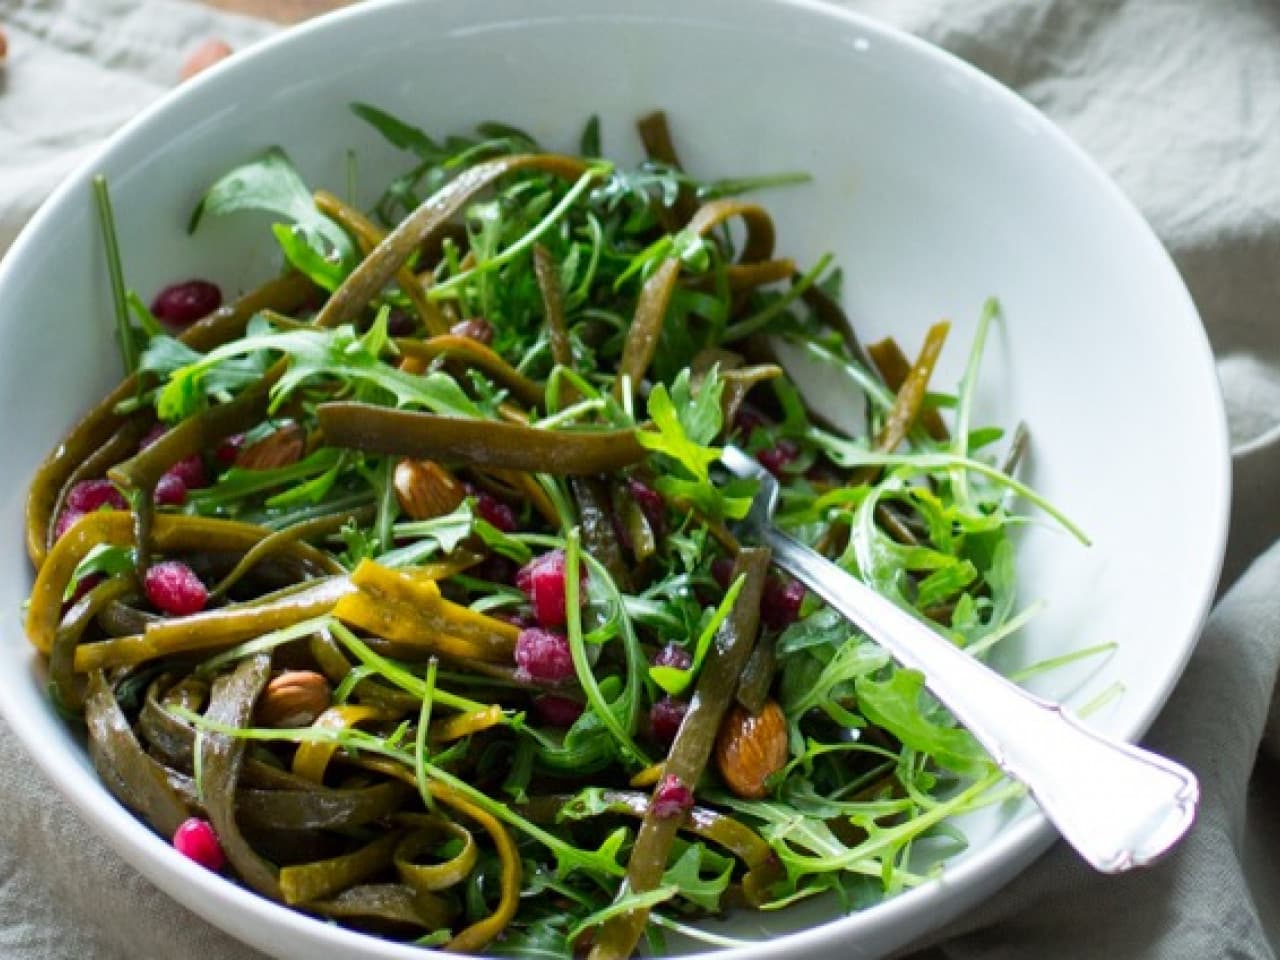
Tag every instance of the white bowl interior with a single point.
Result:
(935, 188)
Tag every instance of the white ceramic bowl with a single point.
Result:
(935, 187)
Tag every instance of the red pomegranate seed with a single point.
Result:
(196, 840)
(229, 449)
(651, 503)
(83, 587)
(173, 588)
(775, 458)
(170, 490)
(66, 520)
(477, 328)
(496, 513)
(542, 579)
(191, 471)
(185, 303)
(496, 569)
(722, 571)
(543, 656)
(152, 435)
(401, 323)
(748, 419)
(89, 495)
(672, 798)
(665, 717)
(557, 711)
(780, 602)
(673, 655)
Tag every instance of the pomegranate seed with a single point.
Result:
(542, 579)
(543, 656)
(401, 323)
(83, 587)
(496, 513)
(748, 419)
(185, 303)
(66, 520)
(651, 503)
(477, 328)
(89, 495)
(672, 798)
(154, 434)
(173, 588)
(190, 470)
(673, 655)
(778, 456)
(780, 602)
(229, 449)
(722, 571)
(170, 491)
(196, 840)
(557, 711)
(496, 569)
(665, 718)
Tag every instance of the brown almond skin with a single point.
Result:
(749, 749)
(280, 449)
(425, 489)
(293, 698)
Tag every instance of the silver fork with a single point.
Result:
(1118, 805)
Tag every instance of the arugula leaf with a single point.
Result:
(313, 355)
(103, 559)
(675, 681)
(624, 904)
(944, 583)
(542, 939)
(271, 183)
(687, 422)
(400, 134)
(688, 876)
(190, 384)
(313, 491)
(238, 483)
(589, 142)
(439, 534)
(502, 543)
(325, 272)
(895, 705)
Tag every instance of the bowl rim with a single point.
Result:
(1019, 844)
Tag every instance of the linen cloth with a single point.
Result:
(1179, 100)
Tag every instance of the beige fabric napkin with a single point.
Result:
(1180, 101)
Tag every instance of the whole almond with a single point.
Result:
(293, 698)
(750, 748)
(279, 449)
(425, 489)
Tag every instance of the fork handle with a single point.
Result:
(1118, 805)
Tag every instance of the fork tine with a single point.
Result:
(737, 462)
(766, 499)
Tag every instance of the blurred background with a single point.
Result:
(1178, 100)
